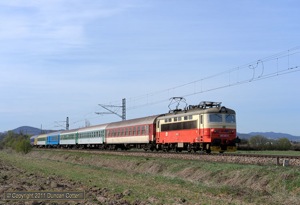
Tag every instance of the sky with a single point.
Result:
(62, 58)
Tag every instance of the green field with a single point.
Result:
(270, 152)
(167, 181)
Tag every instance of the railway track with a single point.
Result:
(256, 159)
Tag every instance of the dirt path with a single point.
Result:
(13, 179)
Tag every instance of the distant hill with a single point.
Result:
(27, 130)
(270, 135)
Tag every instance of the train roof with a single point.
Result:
(34, 136)
(42, 135)
(200, 110)
(93, 128)
(54, 133)
(133, 122)
(69, 131)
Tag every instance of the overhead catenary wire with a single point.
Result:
(259, 70)
(241, 70)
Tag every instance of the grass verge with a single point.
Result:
(167, 181)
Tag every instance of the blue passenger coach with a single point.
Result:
(53, 139)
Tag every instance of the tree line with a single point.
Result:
(259, 142)
(18, 142)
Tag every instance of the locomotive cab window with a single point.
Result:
(215, 118)
(230, 118)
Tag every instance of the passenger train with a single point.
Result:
(204, 127)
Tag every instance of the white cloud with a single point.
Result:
(60, 22)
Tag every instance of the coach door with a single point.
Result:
(76, 138)
(201, 126)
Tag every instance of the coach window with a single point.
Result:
(190, 117)
(185, 117)
(138, 130)
(133, 130)
(170, 120)
(179, 119)
(166, 120)
(175, 119)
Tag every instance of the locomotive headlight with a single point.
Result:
(214, 131)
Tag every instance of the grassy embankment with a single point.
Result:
(168, 181)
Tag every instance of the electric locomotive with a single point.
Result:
(207, 127)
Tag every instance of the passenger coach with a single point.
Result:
(93, 136)
(138, 133)
(69, 138)
(41, 140)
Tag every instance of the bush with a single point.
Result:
(283, 144)
(296, 147)
(18, 142)
(259, 142)
(23, 146)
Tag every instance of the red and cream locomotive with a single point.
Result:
(207, 127)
